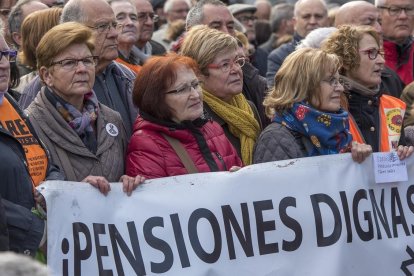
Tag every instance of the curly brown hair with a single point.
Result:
(345, 44)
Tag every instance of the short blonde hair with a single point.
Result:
(203, 44)
(59, 38)
(299, 79)
(345, 44)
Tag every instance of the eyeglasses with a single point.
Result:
(396, 11)
(180, 11)
(143, 17)
(335, 82)
(246, 18)
(69, 64)
(104, 27)
(372, 53)
(186, 88)
(4, 12)
(10, 55)
(226, 66)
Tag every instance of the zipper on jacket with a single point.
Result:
(220, 158)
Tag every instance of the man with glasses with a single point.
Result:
(145, 47)
(245, 14)
(174, 10)
(397, 27)
(113, 81)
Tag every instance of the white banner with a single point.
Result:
(311, 216)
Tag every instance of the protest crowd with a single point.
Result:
(101, 91)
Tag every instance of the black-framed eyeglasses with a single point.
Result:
(143, 16)
(104, 27)
(186, 88)
(69, 64)
(372, 53)
(10, 55)
(335, 81)
(226, 66)
(396, 11)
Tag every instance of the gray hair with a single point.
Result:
(195, 16)
(297, 6)
(379, 3)
(15, 19)
(73, 12)
(280, 12)
(316, 38)
(169, 4)
(12, 264)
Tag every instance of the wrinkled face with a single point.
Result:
(310, 16)
(219, 18)
(71, 84)
(397, 27)
(4, 67)
(101, 19)
(126, 16)
(248, 19)
(368, 15)
(145, 24)
(224, 84)
(184, 97)
(178, 10)
(369, 71)
(330, 93)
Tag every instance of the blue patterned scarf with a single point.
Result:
(328, 132)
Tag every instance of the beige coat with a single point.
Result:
(67, 149)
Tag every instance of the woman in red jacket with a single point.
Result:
(171, 137)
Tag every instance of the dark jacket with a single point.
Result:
(268, 45)
(259, 60)
(4, 232)
(16, 189)
(150, 154)
(365, 110)
(255, 90)
(391, 83)
(276, 143)
(277, 56)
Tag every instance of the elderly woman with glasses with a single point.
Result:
(217, 55)
(86, 139)
(376, 118)
(171, 135)
(306, 112)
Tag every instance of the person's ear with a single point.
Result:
(46, 76)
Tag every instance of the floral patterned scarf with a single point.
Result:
(81, 122)
(328, 132)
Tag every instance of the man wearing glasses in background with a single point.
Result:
(397, 27)
(145, 47)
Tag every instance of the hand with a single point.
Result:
(130, 183)
(404, 151)
(360, 151)
(99, 182)
(39, 199)
(234, 169)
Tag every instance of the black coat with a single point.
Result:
(16, 189)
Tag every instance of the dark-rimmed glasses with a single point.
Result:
(104, 27)
(143, 16)
(69, 64)
(396, 11)
(372, 53)
(247, 18)
(185, 88)
(226, 66)
(10, 55)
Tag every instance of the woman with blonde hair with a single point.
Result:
(222, 80)
(306, 112)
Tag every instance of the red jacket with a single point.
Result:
(402, 63)
(150, 155)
